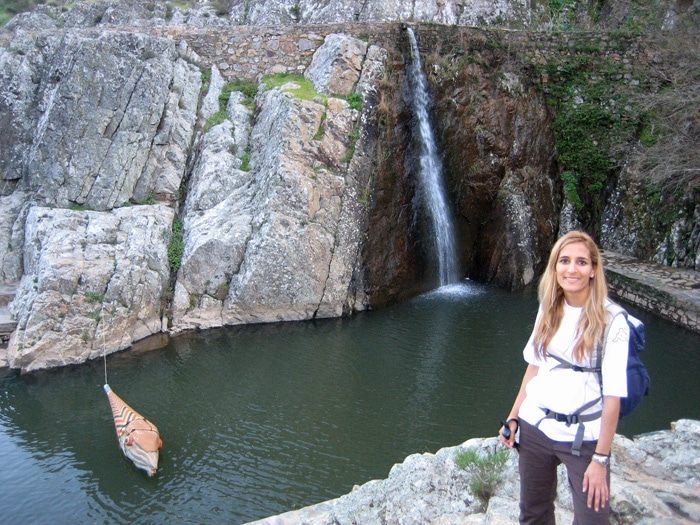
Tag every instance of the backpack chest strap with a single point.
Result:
(563, 363)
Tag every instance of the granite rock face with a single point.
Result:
(277, 242)
(104, 107)
(95, 124)
(93, 283)
(111, 167)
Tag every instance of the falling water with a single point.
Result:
(431, 185)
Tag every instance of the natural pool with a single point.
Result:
(259, 420)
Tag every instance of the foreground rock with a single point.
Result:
(655, 479)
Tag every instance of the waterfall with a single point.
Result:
(431, 190)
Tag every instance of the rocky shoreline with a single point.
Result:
(655, 478)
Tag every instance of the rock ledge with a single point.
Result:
(655, 479)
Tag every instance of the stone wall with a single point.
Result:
(246, 52)
(654, 299)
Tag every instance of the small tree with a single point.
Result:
(485, 470)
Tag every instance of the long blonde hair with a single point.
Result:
(591, 324)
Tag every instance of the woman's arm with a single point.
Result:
(530, 372)
(595, 478)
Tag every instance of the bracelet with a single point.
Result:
(600, 454)
(506, 426)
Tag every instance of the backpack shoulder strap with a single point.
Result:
(614, 310)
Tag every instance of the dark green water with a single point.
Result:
(259, 420)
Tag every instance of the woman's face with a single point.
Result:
(574, 272)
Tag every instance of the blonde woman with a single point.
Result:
(560, 410)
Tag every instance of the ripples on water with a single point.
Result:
(259, 420)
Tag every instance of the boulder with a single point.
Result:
(336, 65)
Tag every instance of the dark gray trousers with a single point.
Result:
(539, 458)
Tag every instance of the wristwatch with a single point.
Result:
(601, 460)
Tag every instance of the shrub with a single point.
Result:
(176, 246)
(355, 101)
(485, 470)
(93, 297)
(245, 162)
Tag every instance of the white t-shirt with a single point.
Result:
(564, 390)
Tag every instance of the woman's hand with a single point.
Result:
(596, 485)
(595, 481)
(509, 430)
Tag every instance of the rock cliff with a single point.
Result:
(159, 173)
(110, 188)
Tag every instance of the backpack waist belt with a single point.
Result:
(574, 419)
(571, 419)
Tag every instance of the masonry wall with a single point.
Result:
(246, 52)
(654, 299)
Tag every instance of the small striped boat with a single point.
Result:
(139, 439)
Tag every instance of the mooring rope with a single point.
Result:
(104, 344)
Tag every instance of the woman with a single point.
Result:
(562, 414)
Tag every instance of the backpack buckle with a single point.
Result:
(562, 418)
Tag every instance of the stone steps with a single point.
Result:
(671, 293)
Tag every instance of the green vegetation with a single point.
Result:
(355, 101)
(248, 88)
(245, 161)
(563, 13)
(94, 297)
(176, 246)
(321, 130)
(594, 118)
(485, 470)
(304, 91)
(216, 119)
(10, 8)
(353, 136)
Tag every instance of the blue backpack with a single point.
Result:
(637, 374)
